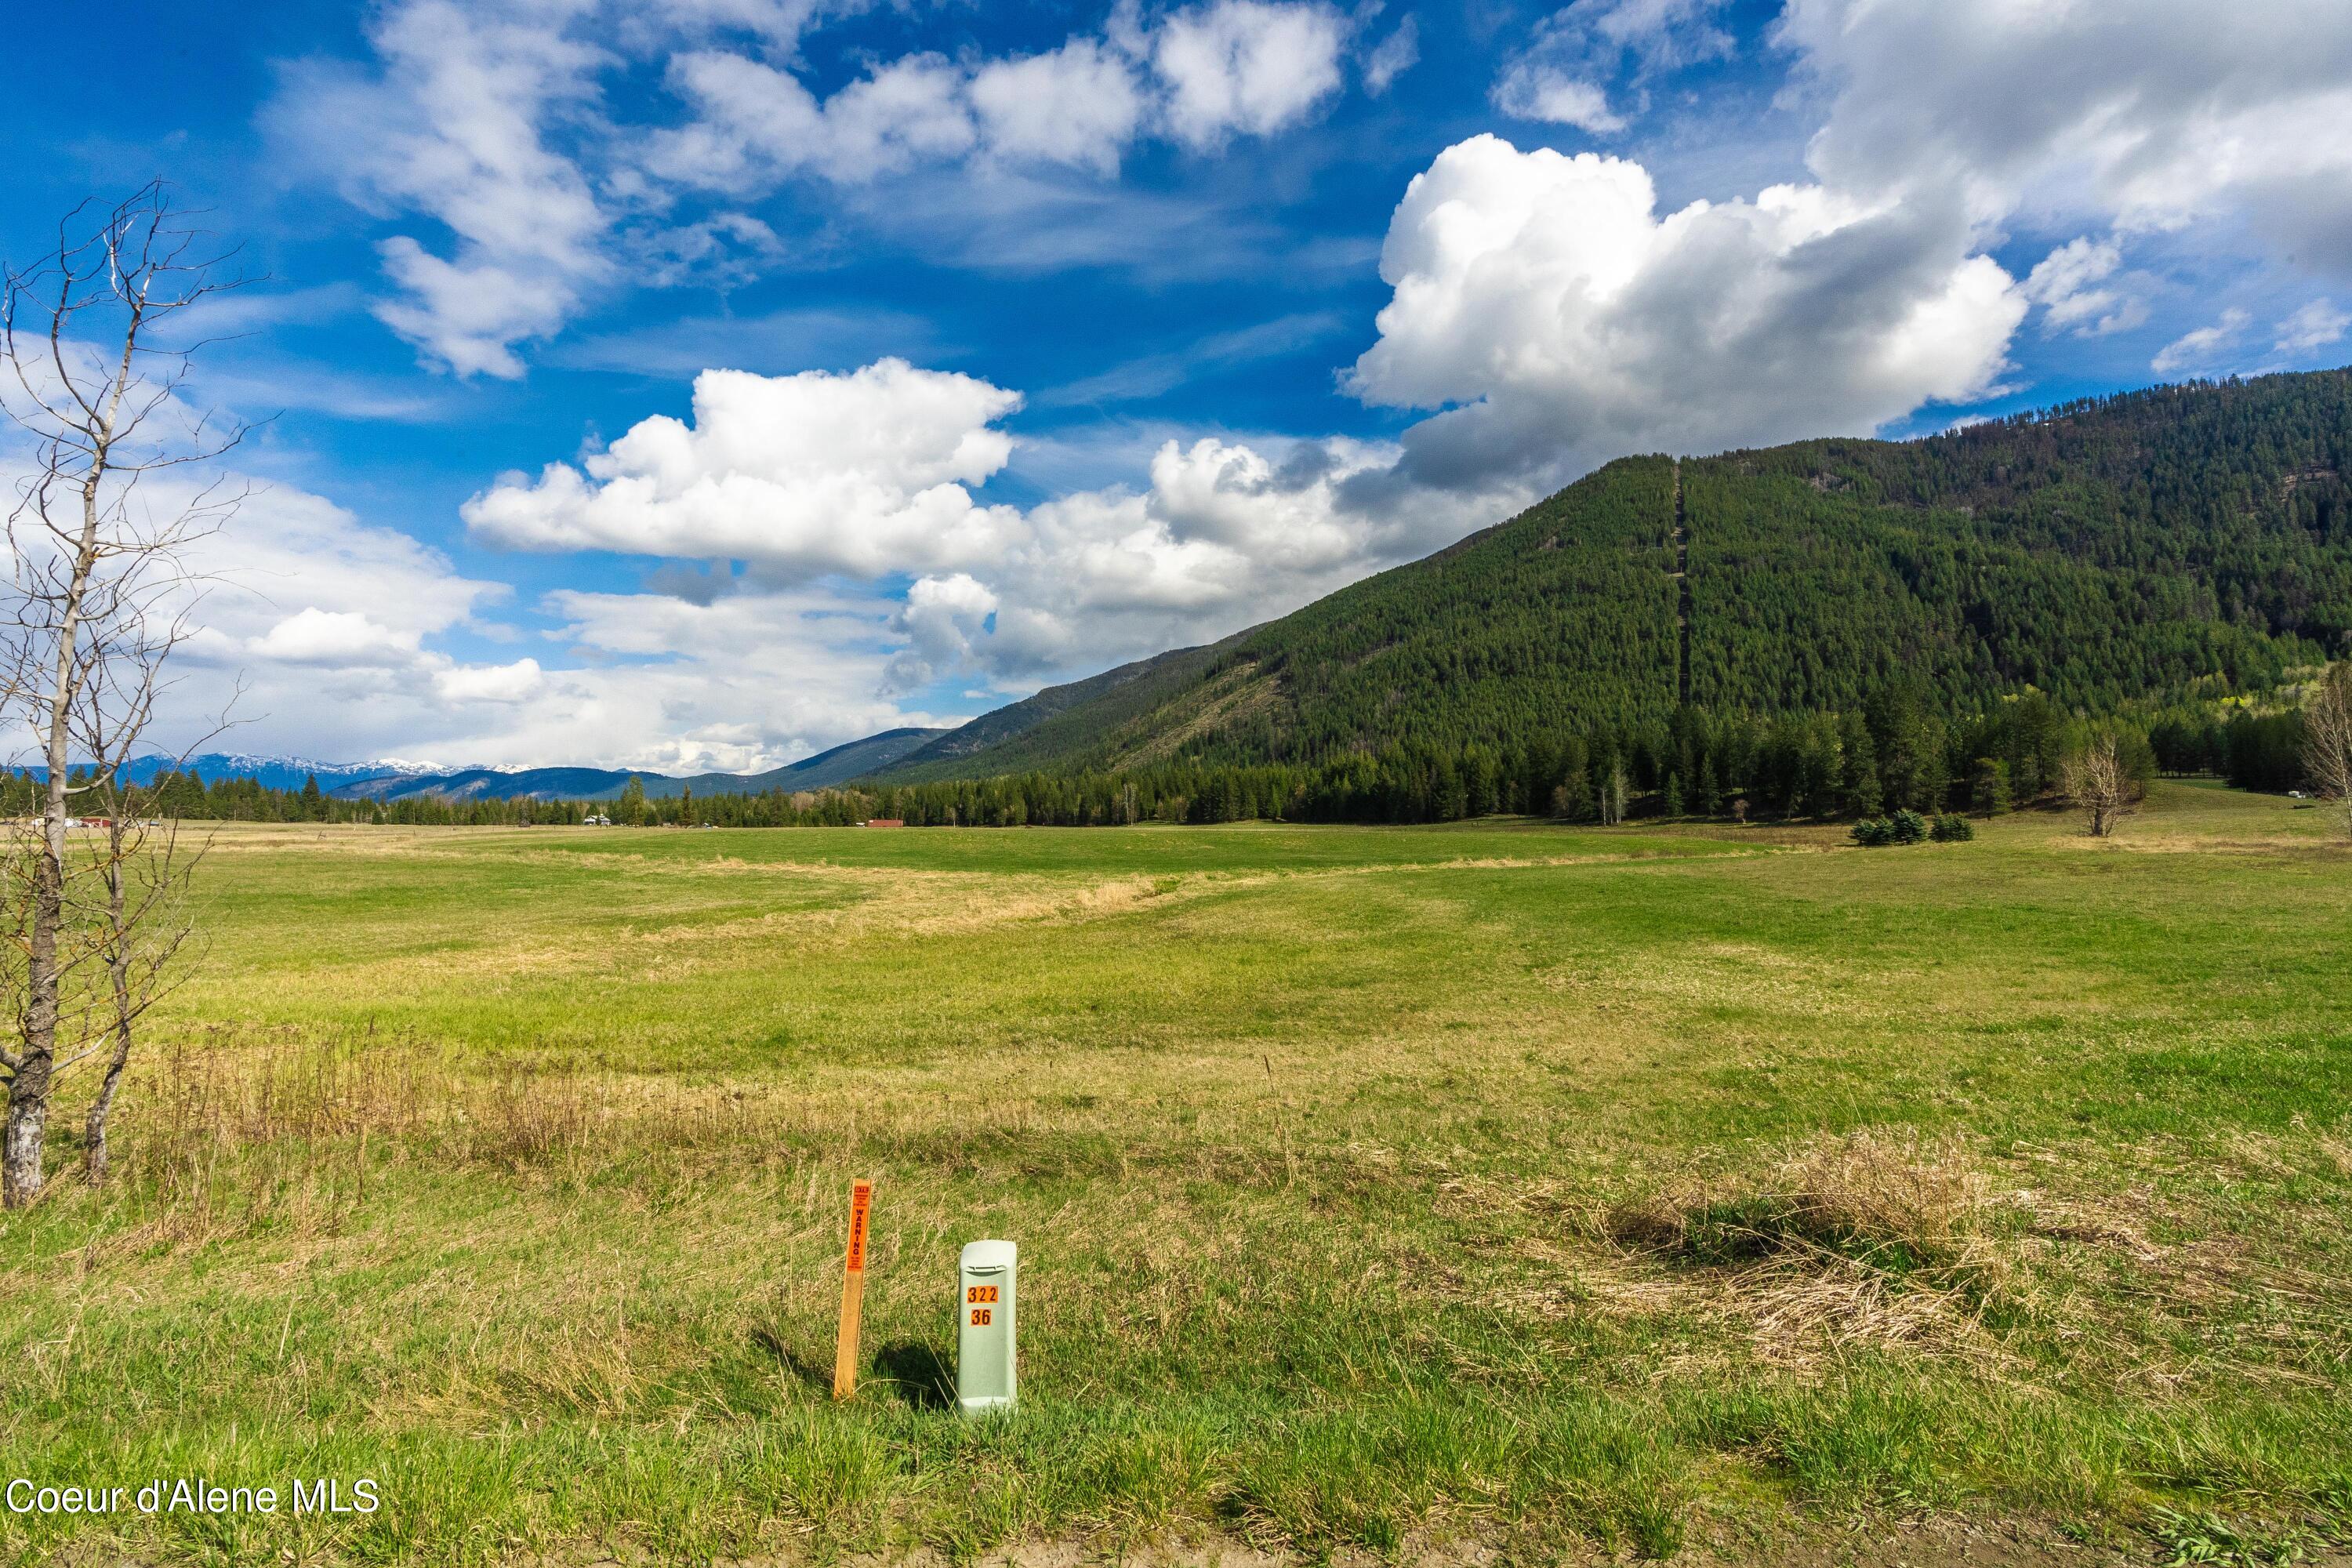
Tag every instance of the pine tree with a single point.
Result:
(1989, 789)
(1864, 796)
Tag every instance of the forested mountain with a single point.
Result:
(2144, 548)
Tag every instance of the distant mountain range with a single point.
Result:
(392, 781)
(274, 772)
(839, 765)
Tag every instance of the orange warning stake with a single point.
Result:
(861, 1203)
(852, 1291)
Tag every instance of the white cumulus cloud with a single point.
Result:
(864, 473)
(744, 683)
(1079, 104)
(313, 635)
(755, 123)
(944, 619)
(1565, 321)
(1247, 66)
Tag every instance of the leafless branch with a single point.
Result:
(102, 595)
(2097, 780)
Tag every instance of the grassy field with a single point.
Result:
(1502, 1186)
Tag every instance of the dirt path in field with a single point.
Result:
(1932, 1544)
(1936, 1543)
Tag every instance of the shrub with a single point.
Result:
(1951, 827)
(1873, 831)
(1906, 827)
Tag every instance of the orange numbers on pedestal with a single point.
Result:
(980, 1317)
(980, 1293)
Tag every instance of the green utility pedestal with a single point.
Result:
(985, 1335)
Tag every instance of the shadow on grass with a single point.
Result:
(916, 1374)
(798, 1365)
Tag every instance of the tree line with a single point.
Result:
(1893, 753)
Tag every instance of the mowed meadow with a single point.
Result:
(1500, 1187)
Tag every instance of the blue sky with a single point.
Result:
(1033, 338)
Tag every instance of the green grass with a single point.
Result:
(1376, 1187)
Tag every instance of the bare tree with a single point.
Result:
(1614, 789)
(101, 594)
(2098, 780)
(2328, 740)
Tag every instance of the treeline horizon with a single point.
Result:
(1893, 753)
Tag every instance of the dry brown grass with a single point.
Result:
(243, 1130)
(1879, 1240)
(1868, 1194)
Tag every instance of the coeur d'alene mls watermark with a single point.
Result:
(195, 1495)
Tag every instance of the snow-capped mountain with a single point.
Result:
(276, 772)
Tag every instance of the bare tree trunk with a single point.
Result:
(28, 1116)
(28, 1091)
(1613, 793)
